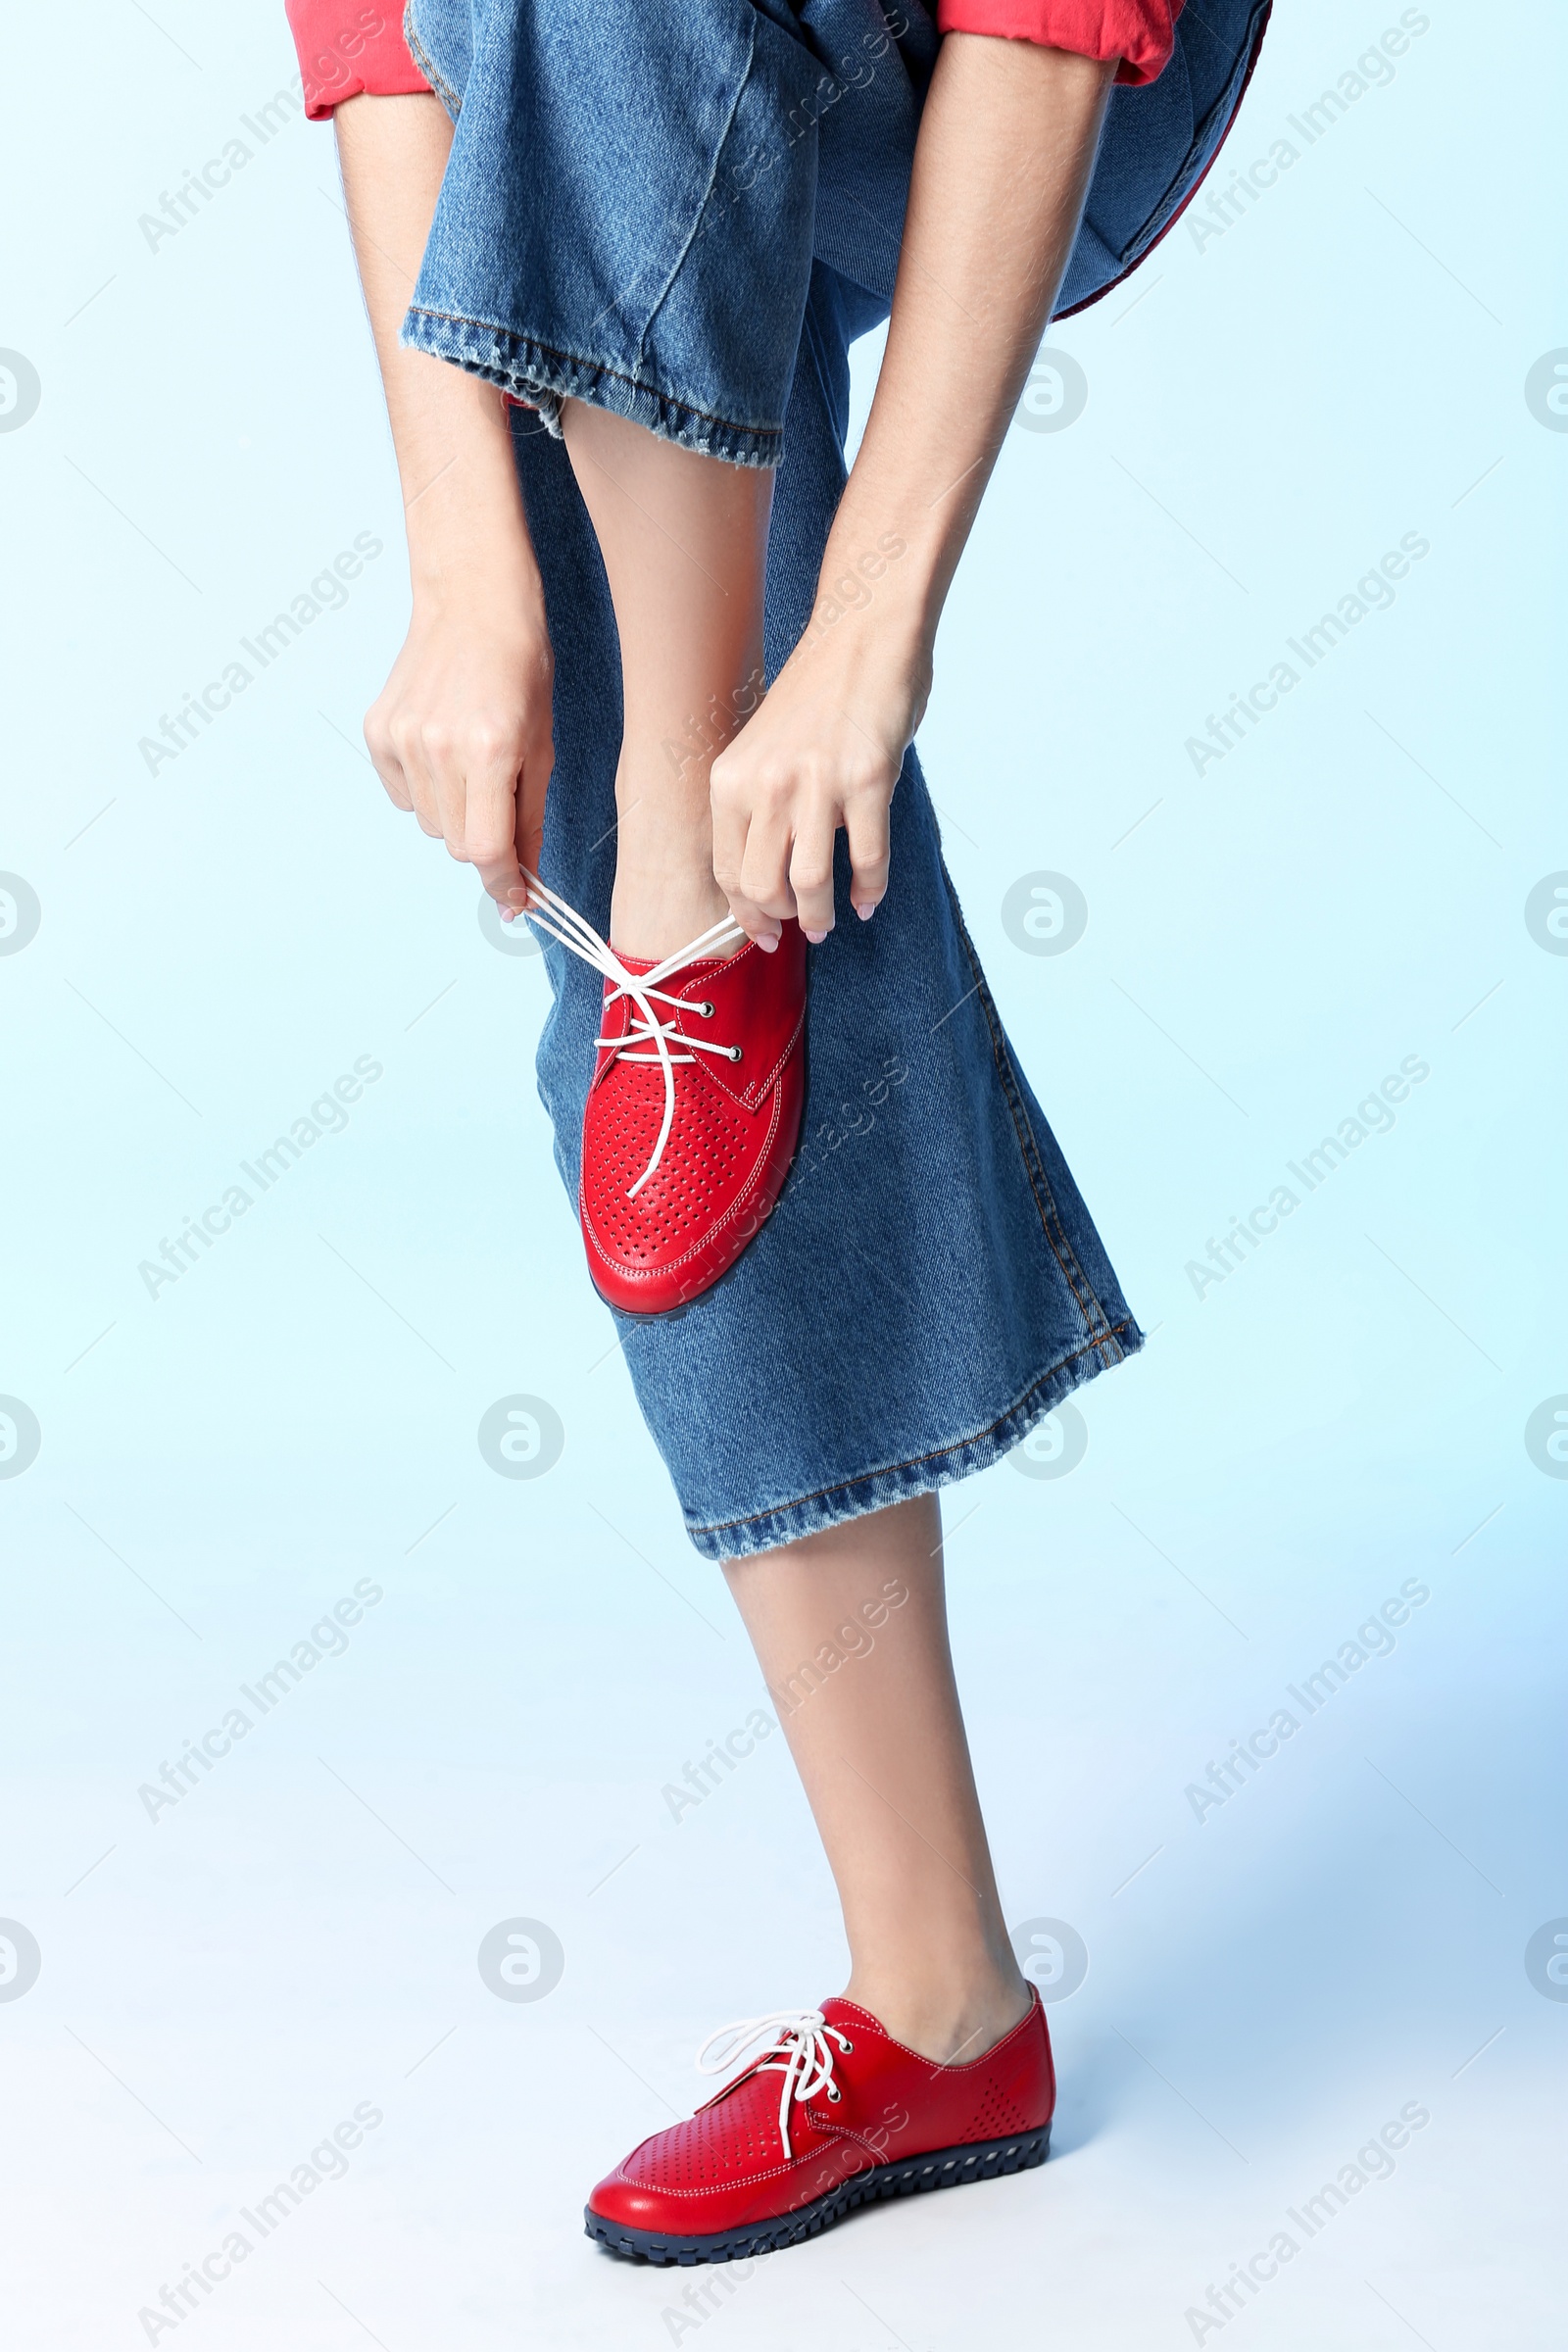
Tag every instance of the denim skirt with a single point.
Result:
(686, 214)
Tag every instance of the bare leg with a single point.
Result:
(684, 540)
(879, 1743)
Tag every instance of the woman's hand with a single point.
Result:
(824, 750)
(1008, 141)
(461, 732)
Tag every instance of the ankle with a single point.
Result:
(660, 832)
(664, 893)
(950, 2023)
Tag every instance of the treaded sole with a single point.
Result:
(943, 2168)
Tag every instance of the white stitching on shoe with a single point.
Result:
(800, 2038)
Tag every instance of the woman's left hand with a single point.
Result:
(1009, 135)
(823, 751)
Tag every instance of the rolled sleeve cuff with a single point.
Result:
(1141, 33)
(344, 50)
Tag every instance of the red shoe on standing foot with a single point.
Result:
(859, 2117)
(693, 1111)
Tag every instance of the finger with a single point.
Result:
(403, 734)
(384, 759)
(812, 872)
(533, 787)
(865, 820)
(763, 900)
(490, 825)
(765, 865)
(444, 754)
(731, 825)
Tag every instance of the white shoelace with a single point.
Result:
(802, 2056)
(573, 930)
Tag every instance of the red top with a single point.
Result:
(338, 60)
(1139, 33)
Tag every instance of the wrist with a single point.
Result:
(473, 562)
(467, 539)
(476, 580)
(874, 592)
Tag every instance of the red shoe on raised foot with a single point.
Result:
(859, 2117)
(694, 1111)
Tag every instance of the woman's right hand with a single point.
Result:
(461, 733)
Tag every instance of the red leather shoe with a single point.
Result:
(833, 2114)
(694, 1111)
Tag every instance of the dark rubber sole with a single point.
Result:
(944, 2167)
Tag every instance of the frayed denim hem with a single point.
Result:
(740, 1539)
(543, 379)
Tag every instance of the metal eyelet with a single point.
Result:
(706, 1011)
(735, 1053)
(847, 2048)
(834, 2094)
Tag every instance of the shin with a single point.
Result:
(684, 542)
(879, 1741)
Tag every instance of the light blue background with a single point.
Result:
(1267, 414)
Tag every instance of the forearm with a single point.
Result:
(461, 732)
(1006, 150)
(463, 515)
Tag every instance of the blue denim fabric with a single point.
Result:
(1159, 139)
(931, 1282)
(637, 191)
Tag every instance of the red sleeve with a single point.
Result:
(344, 49)
(1140, 33)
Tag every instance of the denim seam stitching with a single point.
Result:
(915, 1461)
(1129, 267)
(574, 359)
(664, 290)
(1049, 1215)
(449, 97)
(1229, 100)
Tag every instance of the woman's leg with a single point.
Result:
(879, 1743)
(684, 541)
